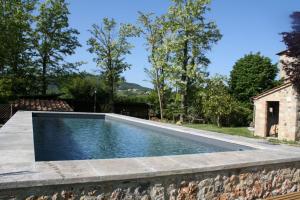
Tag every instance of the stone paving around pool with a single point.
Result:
(252, 174)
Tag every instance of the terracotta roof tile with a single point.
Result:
(42, 105)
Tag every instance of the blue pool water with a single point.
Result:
(61, 138)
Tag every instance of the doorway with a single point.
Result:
(272, 118)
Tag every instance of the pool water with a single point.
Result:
(62, 138)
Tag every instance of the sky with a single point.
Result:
(246, 25)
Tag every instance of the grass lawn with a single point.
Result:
(276, 141)
(241, 131)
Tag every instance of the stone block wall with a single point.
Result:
(243, 184)
(298, 120)
(288, 113)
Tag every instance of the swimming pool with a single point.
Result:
(23, 176)
(69, 137)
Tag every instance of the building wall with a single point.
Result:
(298, 120)
(289, 106)
(285, 59)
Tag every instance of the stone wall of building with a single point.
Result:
(288, 113)
(283, 58)
(298, 120)
(243, 184)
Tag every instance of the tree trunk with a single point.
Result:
(183, 105)
(44, 78)
(15, 76)
(159, 85)
(158, 88)
(112, 96)
(162, 88)
(2, 70)
(218, 121)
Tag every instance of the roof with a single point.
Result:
(282, 52)
(42, 105)
(271, 91)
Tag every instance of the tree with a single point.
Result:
(292, 41)
(110, 44)
(5, 89)
(16, 67)
(251, 75)
(155, 35)
(217, 102)
(192, 36)
(54, 40)
(83, 86)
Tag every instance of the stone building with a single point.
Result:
(277, 111)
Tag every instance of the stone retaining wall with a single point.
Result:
(247, 183)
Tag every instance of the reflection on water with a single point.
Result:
(80, 139)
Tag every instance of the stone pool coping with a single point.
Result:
(18, 168)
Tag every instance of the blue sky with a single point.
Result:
(247, 26)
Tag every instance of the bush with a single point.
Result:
(240, 115)
(221, 108)
(83, 88)
(5, 90)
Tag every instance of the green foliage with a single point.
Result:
(54, 40)
(195, 101)
(33, 51)
(217, 102)
(5, 90)
(33, 48)
(251, 75)
(220, 107)
(292, 42)
(83, 87)
(177, 42)
(154, 102)
(173, 109)
(16, 45)
(131, 99)
(191, 37)
(241, 115)
(156, 34)
(110, 44)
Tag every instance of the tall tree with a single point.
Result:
(155, 34)
(251, 75)
(16, 45)
(54, 40)
(292, 41)
(109, 42)
(192, 37)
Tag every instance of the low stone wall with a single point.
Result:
(246, 183)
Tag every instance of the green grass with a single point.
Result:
(276, 141)
(241, 131)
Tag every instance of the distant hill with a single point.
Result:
(133, 86)
(132, 89)
(125, 89)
